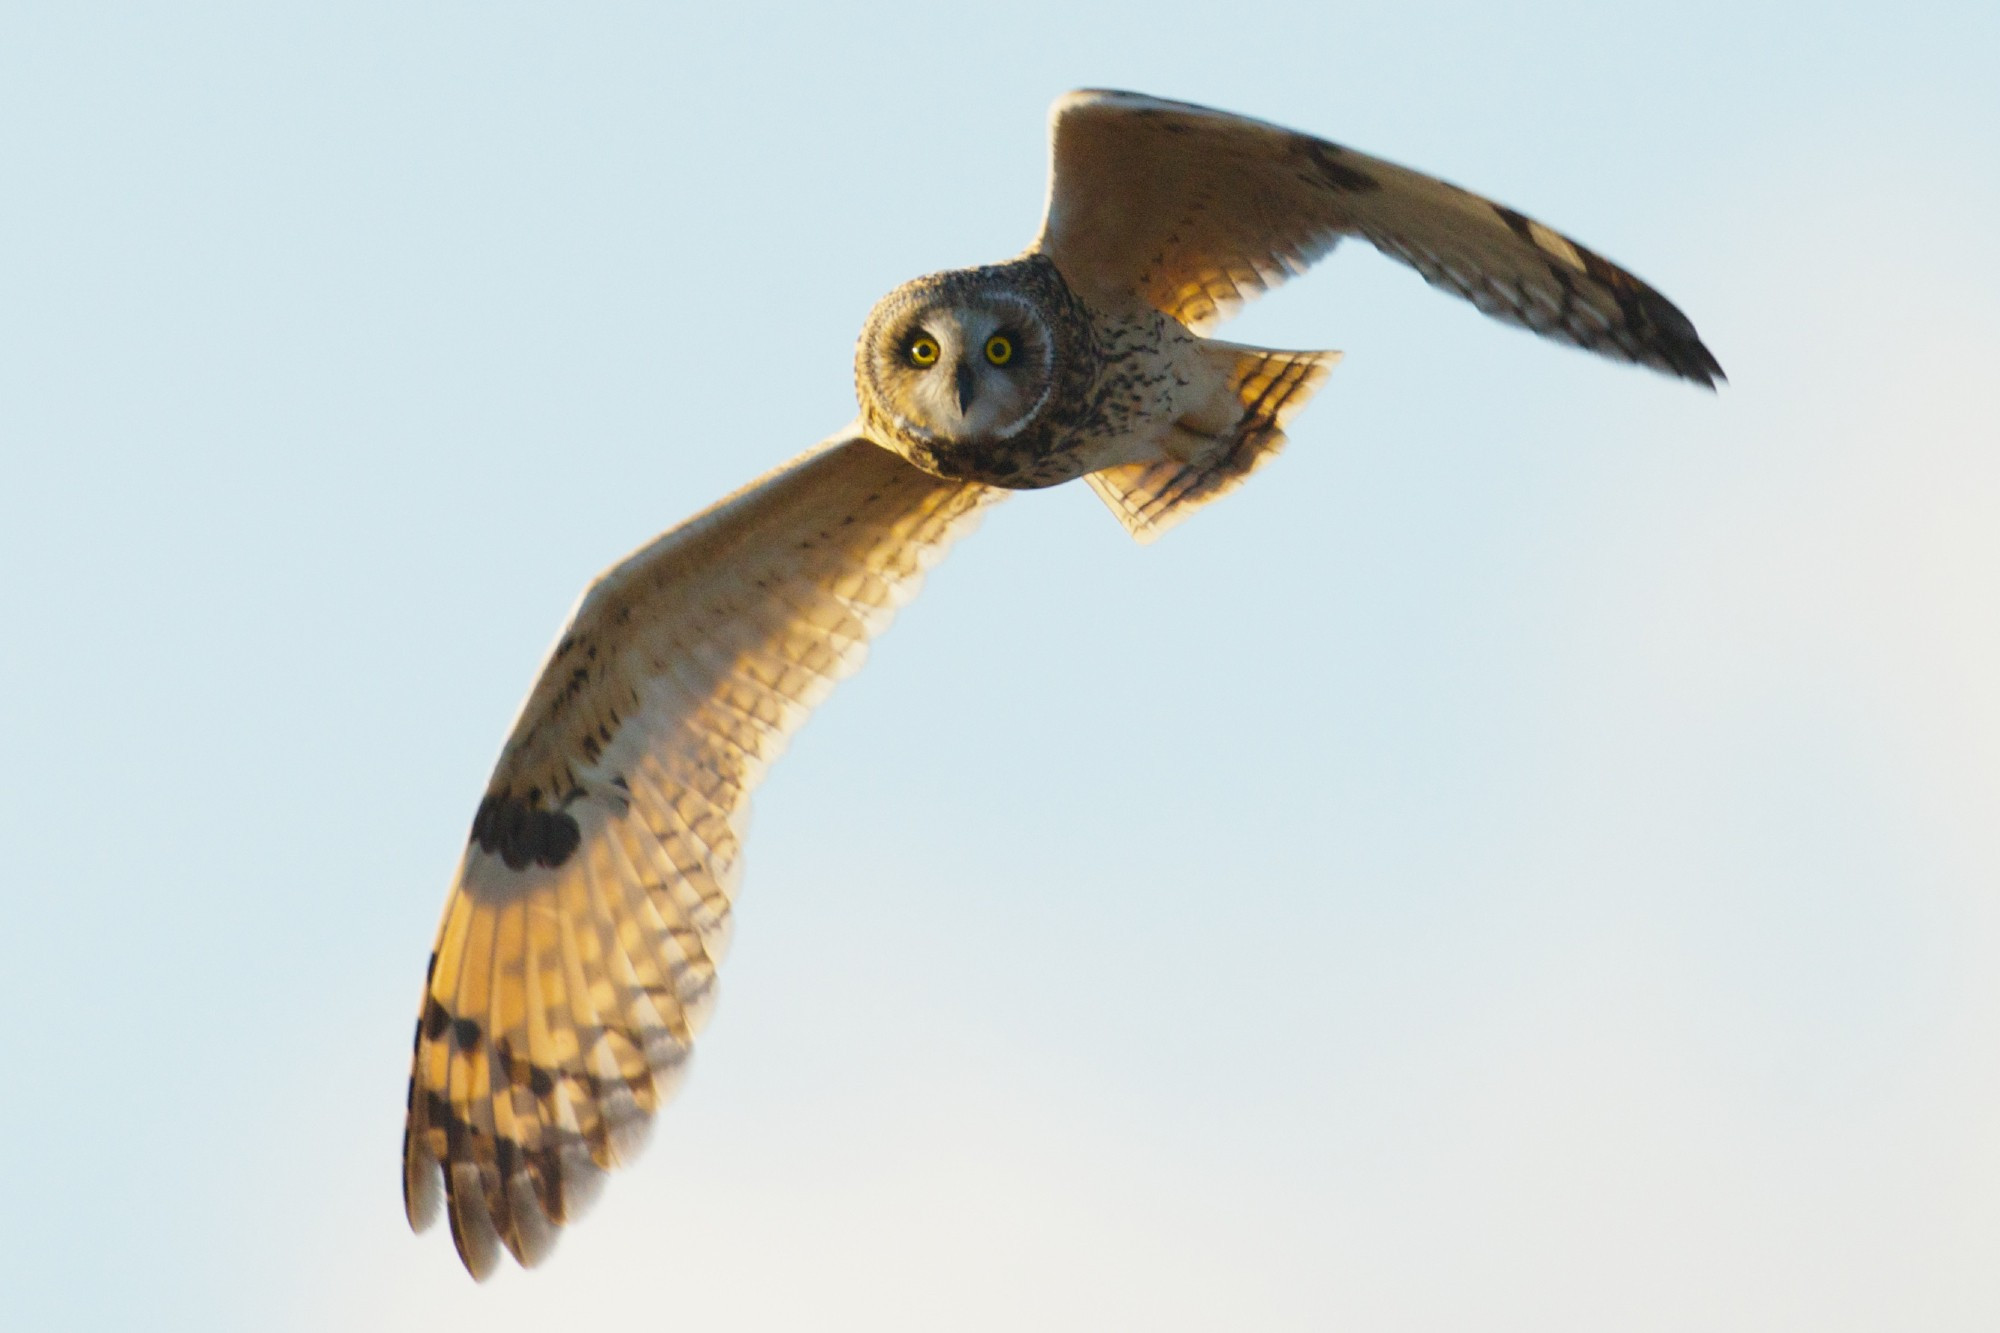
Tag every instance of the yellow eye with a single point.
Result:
(924, 351)
(998, 350)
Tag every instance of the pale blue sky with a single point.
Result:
(1531, 859)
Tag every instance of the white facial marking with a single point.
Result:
(1003, 397)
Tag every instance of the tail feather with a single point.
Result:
(1264, 390)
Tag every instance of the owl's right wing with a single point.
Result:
(1195, 211)
(579, 944)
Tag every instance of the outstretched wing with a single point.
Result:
(1196, 211)
(578, 950)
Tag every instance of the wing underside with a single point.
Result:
(577, 956)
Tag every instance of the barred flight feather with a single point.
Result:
(577, 957)
(1198, 211)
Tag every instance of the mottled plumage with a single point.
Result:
(578, 952)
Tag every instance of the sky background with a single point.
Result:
(1529, 860)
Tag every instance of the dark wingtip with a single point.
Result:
(1695, 363)
(1717, 377)
(1671, 333)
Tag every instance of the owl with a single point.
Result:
(581, 936)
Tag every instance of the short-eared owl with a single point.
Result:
(577, 956)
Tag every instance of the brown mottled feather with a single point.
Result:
(1268, 389)
(577, 956)
(1198, 211)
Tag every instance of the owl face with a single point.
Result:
(949, 364)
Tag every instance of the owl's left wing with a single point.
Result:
(578, 950)
(1195, 211)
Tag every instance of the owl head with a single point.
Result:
(954, 367)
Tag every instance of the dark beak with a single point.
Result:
(968, 388)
